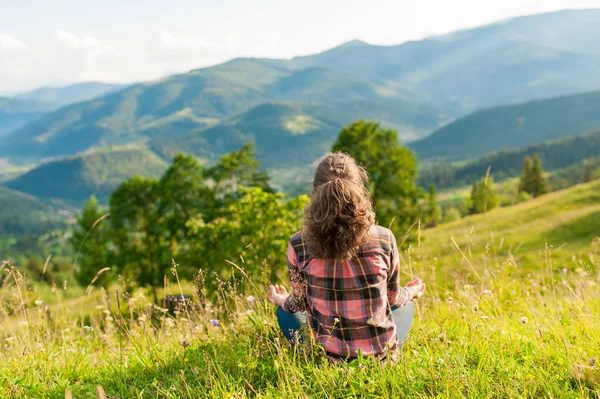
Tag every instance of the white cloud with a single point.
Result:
(9, 45)
(64, 58)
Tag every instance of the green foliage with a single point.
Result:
(433, 211)
(580, 172)
(514, 126)
(452, 214)
(532, 179)
(253, 230)
(196, 216)
(392, 171)
(555, 154)
(96, 173)
(89, 241)
(483, 198)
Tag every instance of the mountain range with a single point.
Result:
(511, 126)
(454, 85)
(26, 107)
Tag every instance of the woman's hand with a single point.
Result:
(277, 294)
(416, 288)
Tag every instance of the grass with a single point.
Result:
(488, 327)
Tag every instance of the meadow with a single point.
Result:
(512, 309)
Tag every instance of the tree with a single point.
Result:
(255, 228)
(140, 241)
(392, 172)
(238, 168)
(483, 197)
(433, 214)
(532, 179)
(89, 241)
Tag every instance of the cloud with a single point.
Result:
(62, 58)
(10, 45)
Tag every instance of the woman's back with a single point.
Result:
(348, 302)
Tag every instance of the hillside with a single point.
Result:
(74, 179)
(15, 113)
(567, 220)
(70, 94)
(511, 126)
(506, 62)
(22, 214)
(555, 154)
(193, 101)
(289, 134)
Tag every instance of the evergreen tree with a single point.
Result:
(433, 215)
(525, 182)
(532, 179)
(540, 185)
(483, 197)
(90, 239)
(392, 172)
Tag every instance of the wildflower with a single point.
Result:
(336, 320)
(250, 298)
(185, 343)
(39, 302)
(214, 322)
(592, 362)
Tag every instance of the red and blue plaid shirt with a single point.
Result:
(348, 303)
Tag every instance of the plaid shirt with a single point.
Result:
(348, 303)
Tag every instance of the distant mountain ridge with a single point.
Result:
(70, 94)
(74, 179)
(24, 108)
(15, 112)
(511, 126)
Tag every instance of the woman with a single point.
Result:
(344, 270)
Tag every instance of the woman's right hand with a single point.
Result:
(416, 288)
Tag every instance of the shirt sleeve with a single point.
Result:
(397, 294)
(296, 301)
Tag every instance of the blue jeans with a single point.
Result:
(290, 323)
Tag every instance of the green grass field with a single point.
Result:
(512, 310)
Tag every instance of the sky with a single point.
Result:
(57, 42)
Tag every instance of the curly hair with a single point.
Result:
(339, 214)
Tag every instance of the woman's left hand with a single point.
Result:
(277, 294)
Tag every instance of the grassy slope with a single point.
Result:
(74, 179)
(566, 220)
(484, 329)
(512, 126)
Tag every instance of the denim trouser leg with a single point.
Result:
(290, 323)
(403, 318)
